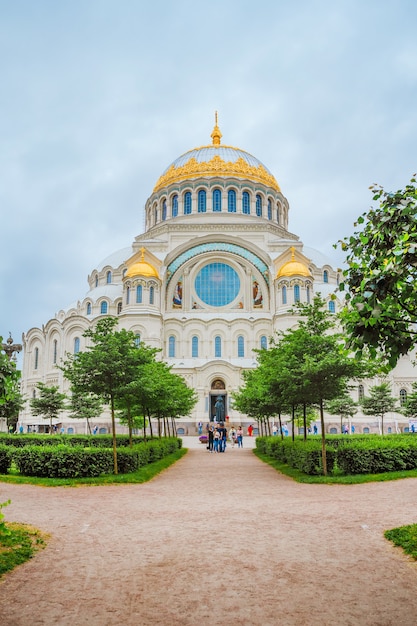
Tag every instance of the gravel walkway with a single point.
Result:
(215, 539)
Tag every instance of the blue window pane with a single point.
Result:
(217, 284)
(258, 206)
(139, 294)
(284, 295)
(231, 201)
(202, 201)
(175, 206)
(264, 342)
(76, 345)
(269, 210)
(218, 347)
(187, 203)
(108, 278)
(308, 295)
(325, 276)
(296, 293)
(240, 346)
(137, 340)
(245, 203)
(164, 210)
(103, 308)
(194, 347)
(151, 295)
(89, 308)
(332, 307)
(171, 347)
(217, 200)
(128, 295)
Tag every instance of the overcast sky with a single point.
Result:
(98, 97)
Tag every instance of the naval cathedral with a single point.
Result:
(212, 278)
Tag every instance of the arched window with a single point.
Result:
(325, 276)
(164, 210)
(137, 340)
(127, 295)
(217, 347)
(231, 201)
(171, 346)
(194, 347)
(258, 205)
(240, 347)
(361, 392)
(55, 351)
(284, 295)
(245, 203)
(76, 345)
(88, 308)
(36, 358)
(366, 430)
(403, 397)
(187, 203)
(269, 210)
(217, 200)
(175, 206)
(296, 293)
(139, 294)
(119, 308)
(308, 295)
(264, 342)
(151, 295)
(96, 280)
(108, 277)
(332, 306)
(202, 201)
(103, 308)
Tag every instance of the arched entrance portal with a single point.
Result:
(218, 401)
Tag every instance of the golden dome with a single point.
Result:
(293, 268)
(216, 161)
(142, 268)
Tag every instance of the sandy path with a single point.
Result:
(215, 539)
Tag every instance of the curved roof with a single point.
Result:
(142, 268)
(293, 268)
(115, 259)
(216, 160)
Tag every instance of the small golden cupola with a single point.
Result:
(293, 267)
(142, 268)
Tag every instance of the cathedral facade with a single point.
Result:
(212, 278)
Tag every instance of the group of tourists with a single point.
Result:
(218, 436)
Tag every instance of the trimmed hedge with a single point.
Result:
(86, 441)
(5, 459)
(62, 461)
(370, 454)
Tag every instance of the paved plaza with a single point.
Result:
(216, 539)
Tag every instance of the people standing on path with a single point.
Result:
(216, 440)
(200, 428)
(239, 437)
(232, 436)
(210, 433)
(275, 430)
(250, 430)
(223, 438)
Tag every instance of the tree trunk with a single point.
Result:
(323, 440)
(305, 421)
(293, 423)
(113, 426)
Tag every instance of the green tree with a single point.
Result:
(410, 407)
(381, 276)
(11, 400)
(344, 406)
(379, 402)
(107, 365)
(49, 404)
(85, 406)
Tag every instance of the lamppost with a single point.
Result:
(11, 348)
